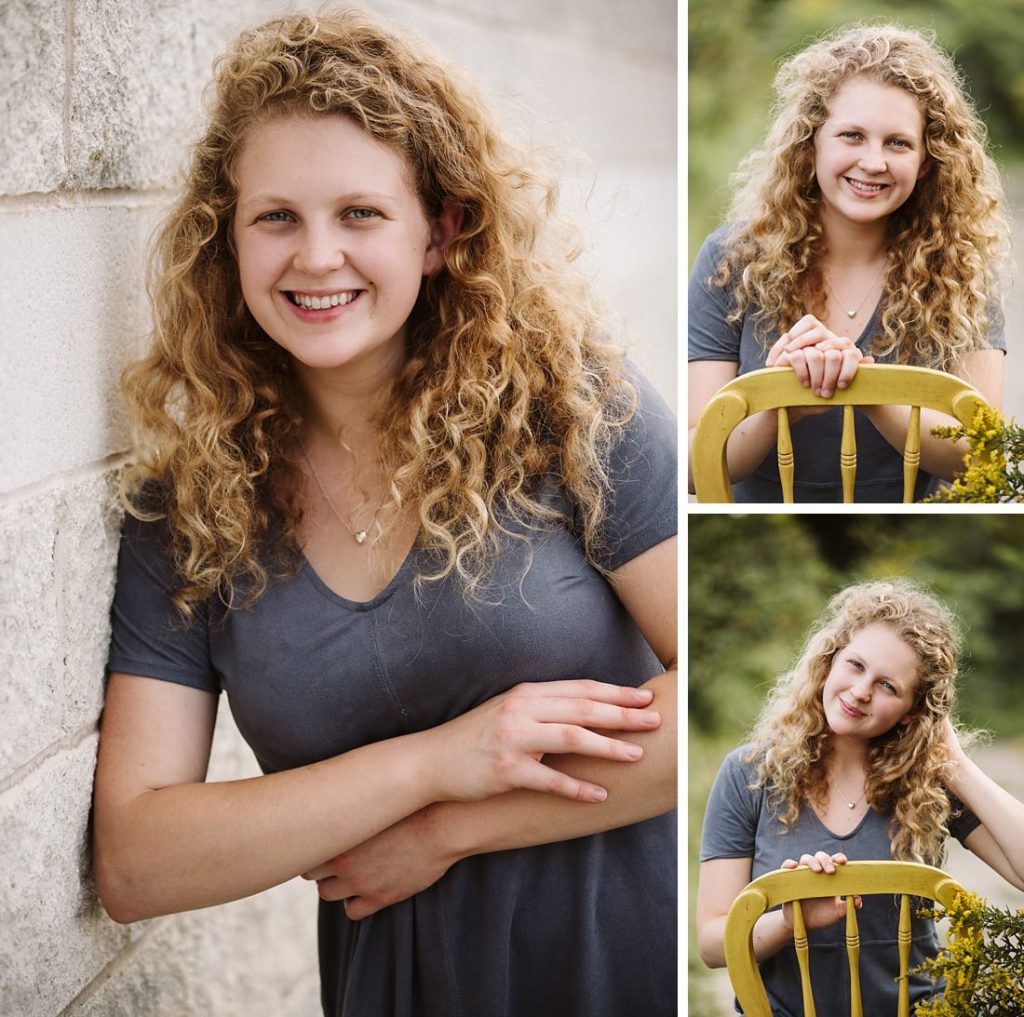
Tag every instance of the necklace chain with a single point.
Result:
(856, 310)
(850, 805)
(359, 536)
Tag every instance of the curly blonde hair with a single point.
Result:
(946, 244)
(506, 383)
(908, 766)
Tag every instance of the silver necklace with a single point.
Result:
(856, 310)
(358, 535)
(850, 805)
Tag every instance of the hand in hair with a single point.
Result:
(818, 912)
(822, 360)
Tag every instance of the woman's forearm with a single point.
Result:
(1001, 814)
(939, 456)
(751, 440)
(193, 845)
(636, 791)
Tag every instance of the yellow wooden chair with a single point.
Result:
(778, 388)
(907, 879)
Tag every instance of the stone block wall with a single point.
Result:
(97, 100)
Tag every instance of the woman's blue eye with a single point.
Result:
(362, 213)
(275, 217)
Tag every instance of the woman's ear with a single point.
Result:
(443, 230)
(907, 720)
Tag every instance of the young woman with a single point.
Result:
(854, 757)
(868, 227)
(395, 498)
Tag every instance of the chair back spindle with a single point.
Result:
(803, 958)
(904, 948)
(784, 444)
(853, 954)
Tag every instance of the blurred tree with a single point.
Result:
(755, 583)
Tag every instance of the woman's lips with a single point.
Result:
(851, 711)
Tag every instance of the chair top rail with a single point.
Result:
(786, 885)
(873, 385)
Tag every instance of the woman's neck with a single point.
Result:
(848, 755)
(345, 401)
(854, 245)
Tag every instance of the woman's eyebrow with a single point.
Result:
(353, 197)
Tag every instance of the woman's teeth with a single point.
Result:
(867, 188)
(319, 303)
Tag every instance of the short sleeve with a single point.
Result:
(731, 818)
(709, 335)
(642, 508)
(149, 635)
(962, 822)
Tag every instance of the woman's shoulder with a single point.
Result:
(741, 765)
(714, 247)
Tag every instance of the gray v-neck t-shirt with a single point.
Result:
(577, 928)
(816, 439)
(738, 824)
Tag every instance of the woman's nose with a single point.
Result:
(320, 251)
(873, 160)
(862, 689)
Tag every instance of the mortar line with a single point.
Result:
(62, 199)
(113, 967)
(73, 476)
(40, 759)
(69, 71)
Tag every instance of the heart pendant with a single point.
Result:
(361, 538)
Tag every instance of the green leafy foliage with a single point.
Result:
(983, 965)
(993, 466)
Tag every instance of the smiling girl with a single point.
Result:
(868, 227)
(854, 757)
(395, 497)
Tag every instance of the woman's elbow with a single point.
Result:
(115, 889)
(710, 948)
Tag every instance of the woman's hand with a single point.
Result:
(818, 912)
(386, 869)
(498, 745)
(822, 360)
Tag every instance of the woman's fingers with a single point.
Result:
(585, 712)
(815, 369)
(582, 688)
(851, 360)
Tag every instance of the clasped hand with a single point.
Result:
(822, 360)
(818, 912)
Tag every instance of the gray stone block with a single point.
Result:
(32, 80)
(74, 314)
(58, 551)
(133, 91)
(256, 956)
(55, 933)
